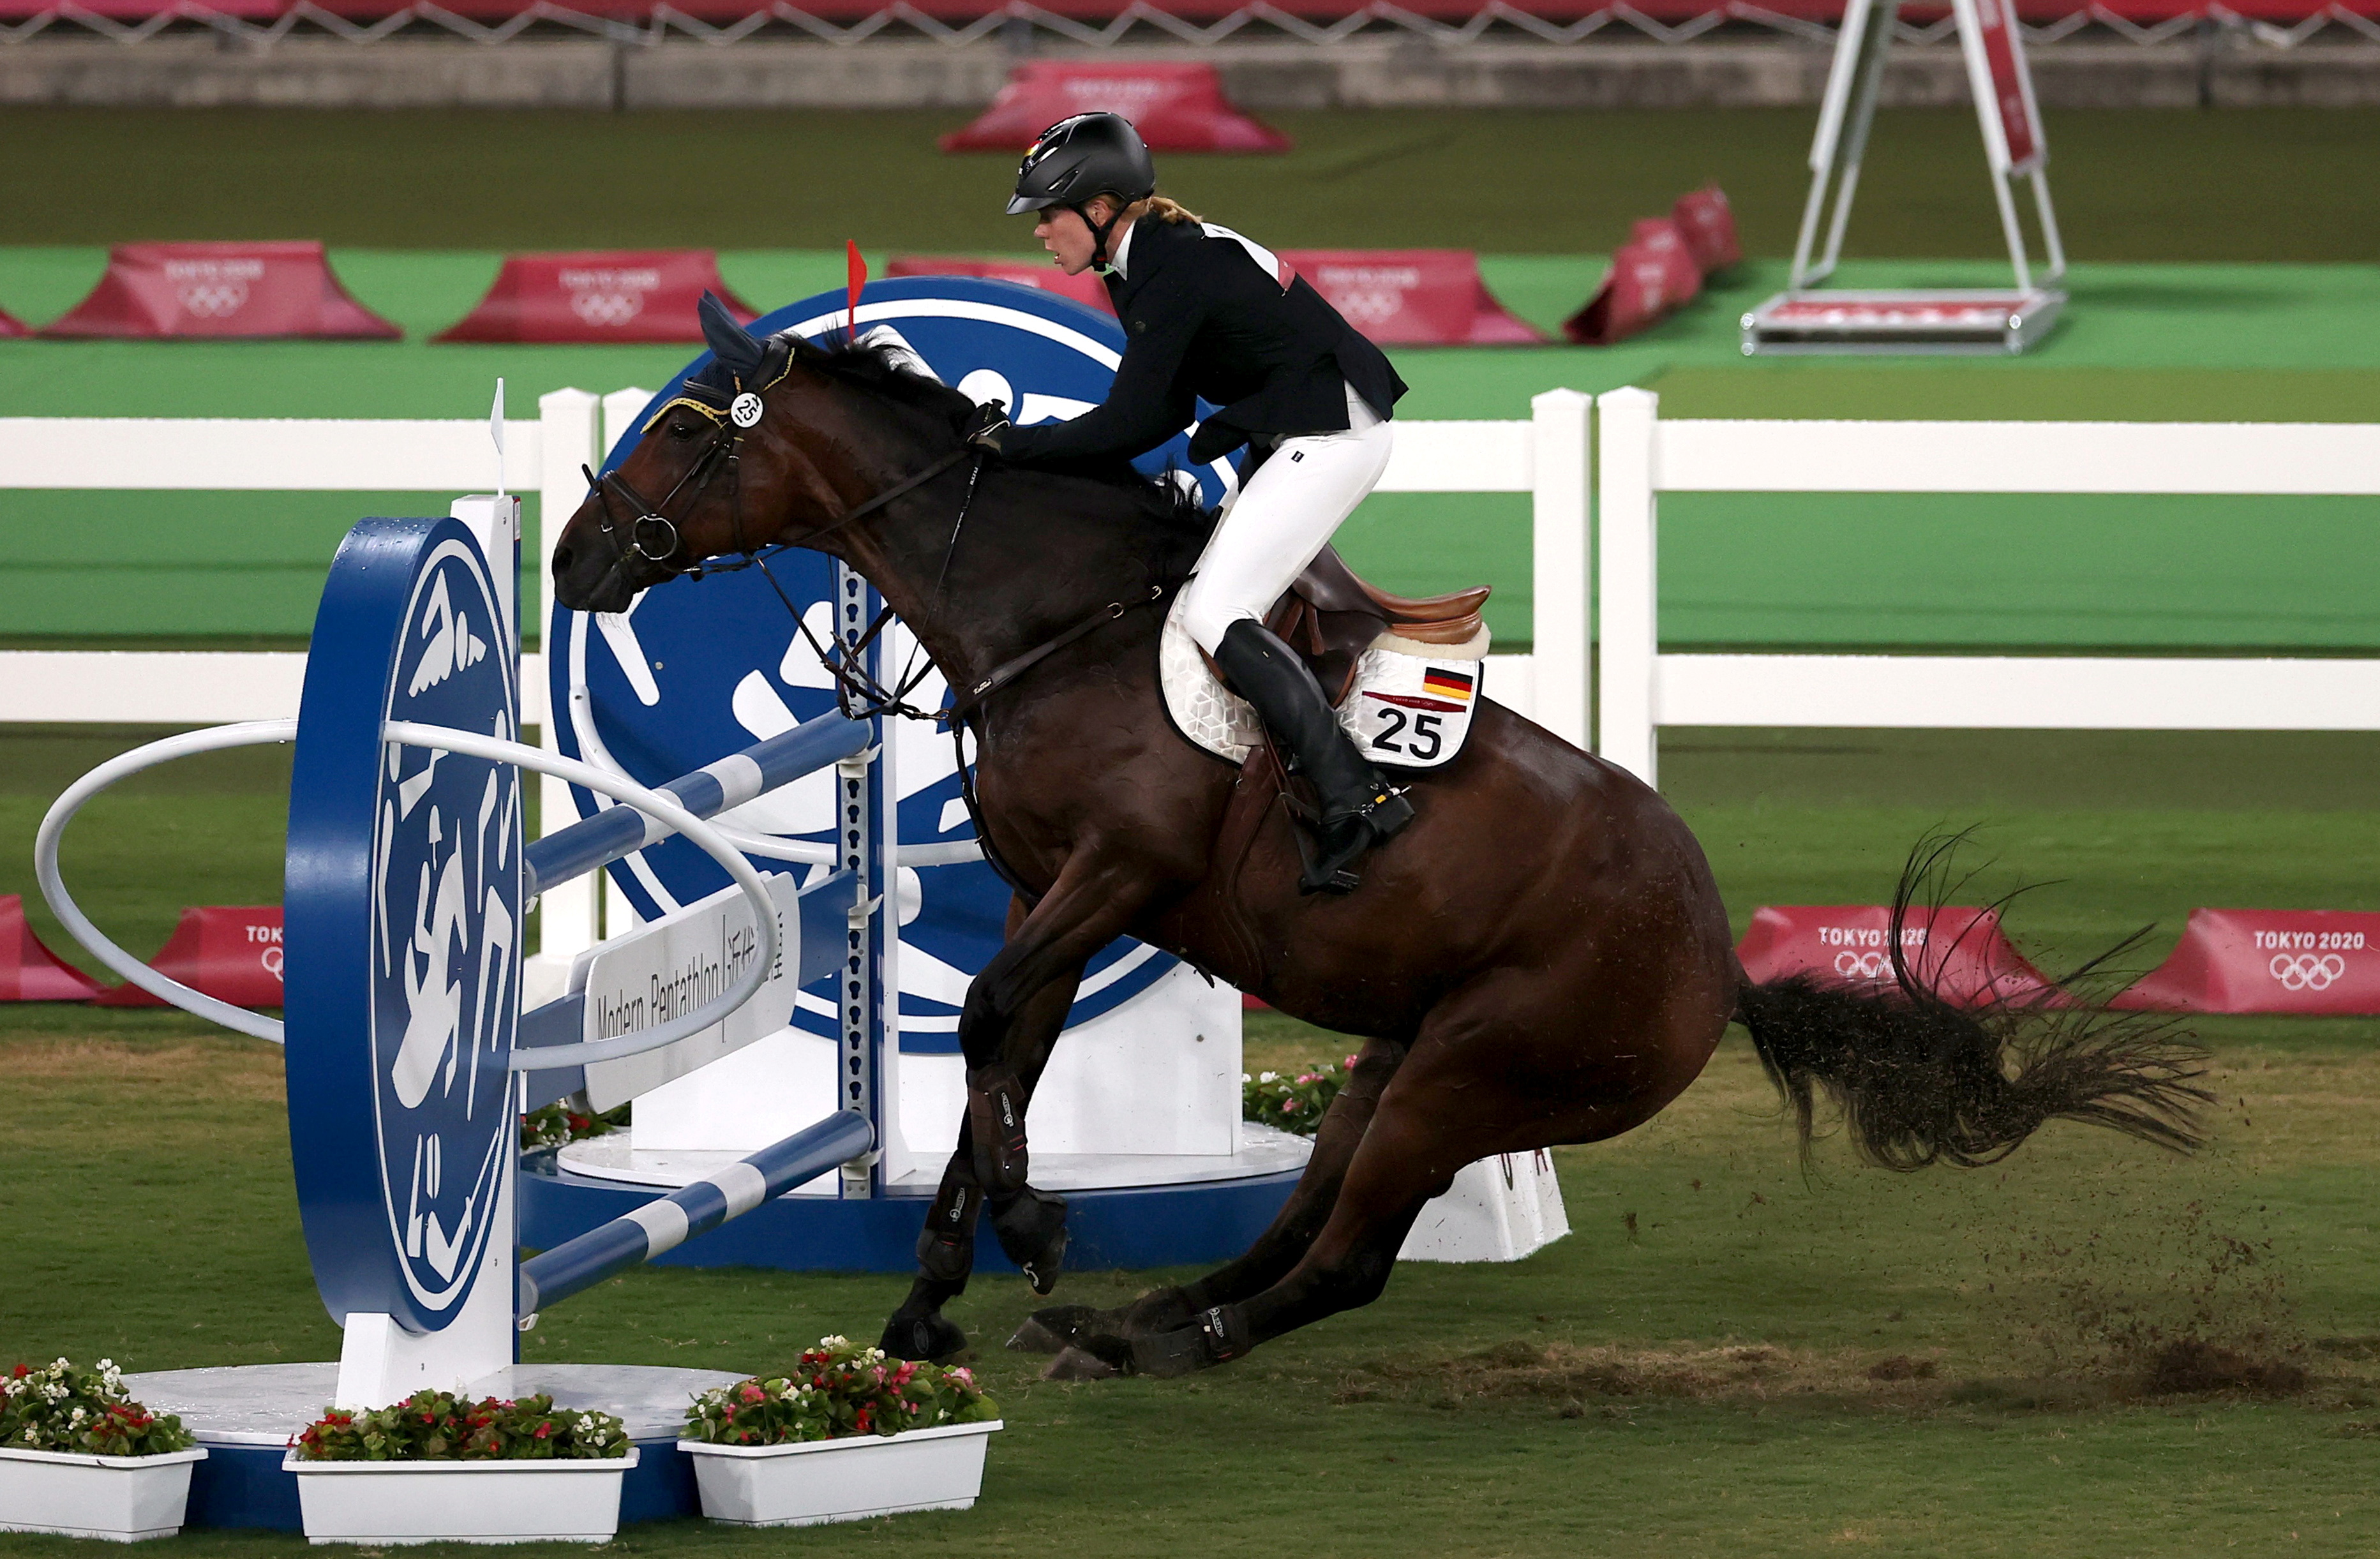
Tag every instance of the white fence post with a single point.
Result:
(620, 410)
(1562, 577)
(567, 912)
(1627, 635)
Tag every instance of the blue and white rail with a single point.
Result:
(669, 1221)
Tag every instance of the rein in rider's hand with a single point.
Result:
(985, 429)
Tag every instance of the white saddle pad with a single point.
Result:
(1404, 712)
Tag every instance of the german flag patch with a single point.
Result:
(1440, 682)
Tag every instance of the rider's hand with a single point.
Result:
(985, 429)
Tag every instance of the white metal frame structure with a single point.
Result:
(1640, 689)
(2014, 147)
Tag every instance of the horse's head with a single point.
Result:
(761, 446)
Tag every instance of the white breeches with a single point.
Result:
(1281, 519)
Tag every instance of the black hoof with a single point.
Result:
(1074, 1364)
(932, 1338)
(1051, 1330)
(1034, 1338)
(1032, 1229)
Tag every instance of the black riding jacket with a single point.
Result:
(1205, 317)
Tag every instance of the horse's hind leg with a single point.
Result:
(1407, 1155)
(1276, 1250)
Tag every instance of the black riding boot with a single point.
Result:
(1359, 807)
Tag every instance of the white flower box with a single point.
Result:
(124, 1499)
(390, 1502)
(845, 1479)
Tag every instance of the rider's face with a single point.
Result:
(1065, 236)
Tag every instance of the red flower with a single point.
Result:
(543, 1429)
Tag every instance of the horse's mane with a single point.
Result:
(882, 369)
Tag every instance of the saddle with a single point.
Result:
(1331, 615)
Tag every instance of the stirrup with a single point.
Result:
(1343, 835)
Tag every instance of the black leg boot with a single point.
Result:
(1359, 807)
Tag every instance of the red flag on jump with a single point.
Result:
(856, 269)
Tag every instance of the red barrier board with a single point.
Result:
(1706, 223)
(1962, 953)
(1174, 107)
(221, 290)
(598, 297)
(2312, 963)
(30, 972)
(12, 326)
(1651, 275)
(1085, 289)
(1413, 297)
(232, 954)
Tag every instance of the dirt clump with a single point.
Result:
(2191, 1367)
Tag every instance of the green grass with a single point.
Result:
(1709, 1325)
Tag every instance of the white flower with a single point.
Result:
(1267, 1077)
(834, 1342)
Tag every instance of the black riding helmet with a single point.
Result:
(1079, 158)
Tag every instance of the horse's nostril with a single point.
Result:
(561, 559)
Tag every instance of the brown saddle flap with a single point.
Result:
(1332, 616)
(1329, 585)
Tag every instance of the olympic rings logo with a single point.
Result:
(607, 309)
(2305, 972)
(1872, 966)
(1372, 306)
(214, 300)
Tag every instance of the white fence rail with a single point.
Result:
(1639, 689)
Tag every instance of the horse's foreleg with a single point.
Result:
(1015, 1012)
(1275, 1252)
(1029, 1224)
(1086, 908)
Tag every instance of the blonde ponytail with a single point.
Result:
(1164, 209)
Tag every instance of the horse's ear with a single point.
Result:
(729, 341)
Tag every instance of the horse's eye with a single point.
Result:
(681, 429)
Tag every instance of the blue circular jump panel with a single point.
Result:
(404, 914)
(697, 669)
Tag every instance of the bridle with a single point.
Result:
(656, 538)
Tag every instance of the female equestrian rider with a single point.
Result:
(1209, 314)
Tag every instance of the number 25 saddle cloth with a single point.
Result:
(1405, 674)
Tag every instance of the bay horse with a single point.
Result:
(1541, 959)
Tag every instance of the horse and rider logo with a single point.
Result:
(445, 937)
